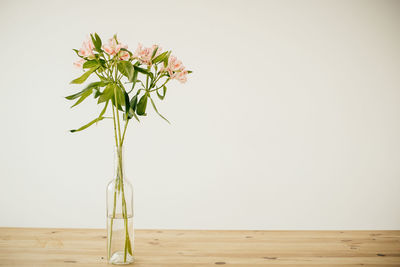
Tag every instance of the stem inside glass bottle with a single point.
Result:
(120, 199)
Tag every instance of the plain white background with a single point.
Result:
(291, 119)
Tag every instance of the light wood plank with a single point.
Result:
(87, 247)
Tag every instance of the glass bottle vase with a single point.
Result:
(120, 235)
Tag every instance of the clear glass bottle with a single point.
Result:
(120, 235)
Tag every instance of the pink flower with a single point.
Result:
(175, 69)
(182, 76)
(113, 47)
(143, 54)
(174, 65)
(79, 63)
(87, 49)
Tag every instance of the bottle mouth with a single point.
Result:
(119, 171)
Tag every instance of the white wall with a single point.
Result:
(291, 119)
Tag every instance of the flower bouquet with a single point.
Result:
(125, 82)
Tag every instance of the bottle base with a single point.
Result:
(118, 258)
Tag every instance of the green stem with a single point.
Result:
(124, 208)
(160, 86)
(115, 192)
(118, 123)
(115, 128)
(121, 181)
(123, 135)
(119, 184)
(156, 78)
(112, 221)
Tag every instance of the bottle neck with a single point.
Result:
(119, 169)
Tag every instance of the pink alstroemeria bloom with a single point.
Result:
(182, 76)
(143, 54)
(87, 49)
(112, 48)
(79, 63)
(174, 65)
(176, 69)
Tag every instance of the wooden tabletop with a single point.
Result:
(87, 247)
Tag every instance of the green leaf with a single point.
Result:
(90, 64)
(83, 97)
(161, 97)
(84, 76)
(134, 78)
(107, 94)
(132, 108)
(126, 104)
(97, 84)
(89, 86)
(97, 42)
(155, 108)
(71, 97)
(102, 62)
(144, 71)
(126, 68)
(126, 50)
(133, 114)
(133, 103)
(136, 117)
(154, 52)
(141, 106)
(77, 53)
(97, 93)
(104, 110)
(93, 121)
(87, 125)
(160, 57)
(165, 60)
(120, 97)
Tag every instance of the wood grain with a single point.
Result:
(87, 247)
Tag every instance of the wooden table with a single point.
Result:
(87, 247)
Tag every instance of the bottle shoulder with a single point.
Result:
(114, 184)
